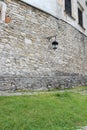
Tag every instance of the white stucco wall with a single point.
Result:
(57, 7)
(45, 5)
(74, 22)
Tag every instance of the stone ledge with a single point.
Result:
(13, 82)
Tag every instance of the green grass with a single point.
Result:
(78, 88)
(49, 111)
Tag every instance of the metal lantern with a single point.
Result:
(54, 45)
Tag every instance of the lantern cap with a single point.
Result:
(54, 43)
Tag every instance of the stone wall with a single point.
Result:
(27, 59)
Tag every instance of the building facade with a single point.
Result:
(27, 31)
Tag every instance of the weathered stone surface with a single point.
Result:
(27, 59)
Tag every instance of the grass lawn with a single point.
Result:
(49, 111)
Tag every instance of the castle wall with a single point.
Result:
(27, 59)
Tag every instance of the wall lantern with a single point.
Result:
(54, 44)
(52, 39)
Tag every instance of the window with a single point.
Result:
(80, 17)
(68, 7)
(86, 3)
(80, 14)
(0, 14)
(2, 11)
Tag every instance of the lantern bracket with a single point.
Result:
(51, 37)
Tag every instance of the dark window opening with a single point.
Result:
(86, 3)
(68, 7)
(80, 17)
(0, 14)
